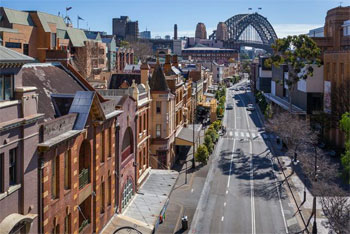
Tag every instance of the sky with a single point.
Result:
(288, 17)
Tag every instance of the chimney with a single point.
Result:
(167, 64)
(175, 32)
(144, 73)
(175, 62)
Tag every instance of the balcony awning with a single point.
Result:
(185, 136)
(8, 224)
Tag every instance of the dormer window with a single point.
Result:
(6, 87)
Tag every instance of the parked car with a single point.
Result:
(241, 88)
(250, 107)
(229, 107)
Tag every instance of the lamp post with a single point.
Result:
(193, 126)
(315, 148)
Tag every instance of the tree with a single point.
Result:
(202, 154)
(217, 125)
(294, 132)
(299, 53)
(212, 133)
(208, 142)
(142, 50)
(345, 158)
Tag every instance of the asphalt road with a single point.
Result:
(241, 193)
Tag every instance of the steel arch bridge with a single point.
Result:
(249, 30)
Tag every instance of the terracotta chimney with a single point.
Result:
(144, 73)
(175, 62)
(167, 64)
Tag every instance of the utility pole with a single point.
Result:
(193, 126)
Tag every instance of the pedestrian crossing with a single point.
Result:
(249, 135)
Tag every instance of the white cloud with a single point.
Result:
(284, 30)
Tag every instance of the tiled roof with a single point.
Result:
(77, 37)
(18, 17)
(46, 18)
(158, 82)
(118, 79)
(7, 56)
(49, 78)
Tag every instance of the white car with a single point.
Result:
(250, 107)
(229, 107)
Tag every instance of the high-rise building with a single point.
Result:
(221, 32)
(125, 29)
(145, 34)
(175, 31)
(201, 31)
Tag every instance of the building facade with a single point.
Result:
(19, 119)
(201, 31)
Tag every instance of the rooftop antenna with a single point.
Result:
(340, 4)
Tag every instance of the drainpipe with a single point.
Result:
(41, 209)
(135, 150)
(117, 163)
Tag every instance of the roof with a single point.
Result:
(93, 35)
(18, 17)
(158, 82)
(11, 30)
(46, 18)
(10, 56)
(132, 67)
(77, 37)
(49, 78)
(117, 79)
(207, 48)
(81, 105)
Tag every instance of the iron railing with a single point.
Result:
(83, 177)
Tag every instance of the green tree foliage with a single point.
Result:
(208, 142)
(345, 158)
(217, 125)
(212, 133)
(202, 154)
(299, 53)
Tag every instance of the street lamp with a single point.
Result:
(315, 148)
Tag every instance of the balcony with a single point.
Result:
(83, 178)
(83, 225)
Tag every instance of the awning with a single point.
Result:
(284, 104)
(185, 136)
(7, 225)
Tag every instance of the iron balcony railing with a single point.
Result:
(83, 224)
(83, 177)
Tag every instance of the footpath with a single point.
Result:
(185, 194)
(295, 191)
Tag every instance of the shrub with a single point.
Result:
(217, 125)
(202, 154)
(208, 142)
(212, 133)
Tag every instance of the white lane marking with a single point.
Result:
(252, 204)
(229, 174)
(226, 191)
(222, 218)
(247, 134)
(279, 198)
(253, 135)
(191, 190)
(234, 114)
(264, 135)
(242, 134)
(236, 134)
(224, 204)
(246, 112)
(231, 133)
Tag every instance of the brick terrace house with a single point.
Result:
(136, 86)
(18, 140)
(77, 151)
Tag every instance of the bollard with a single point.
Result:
(184, 222)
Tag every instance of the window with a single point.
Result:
(102, 197)
(158, 107)
(144, 156)
(108, 146)
(54, 177)
(67, 224)
(102, 147)
(1, 173)
(26, 49)
(13, 166)
(140, 124)
(158, 129)
(6, 87)
(53, 40)
(109, 191)
(144, 121)
(67, 160)
(55, 230)
(13, 45)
